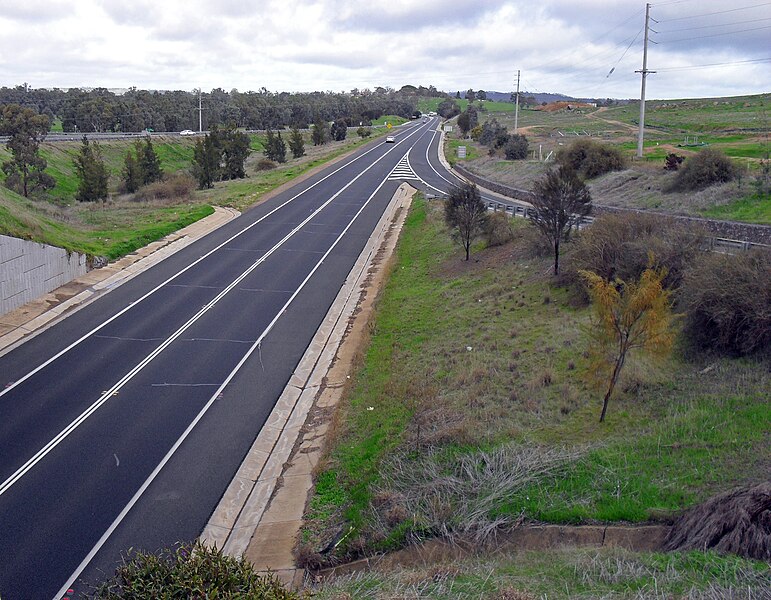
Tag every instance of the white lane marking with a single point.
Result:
(428, 160)
(257, 345)
(430, 164)
(85, 336)
(404, 170)
(81, 418)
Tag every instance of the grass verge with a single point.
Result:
(563, 574)
(471, 364)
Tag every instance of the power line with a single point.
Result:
(701, 37)
(719, 25)
(672, 2)
(613, 68)
(738, 62)
(719, 12)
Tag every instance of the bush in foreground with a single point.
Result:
(498, 229)
(728, 301)
(618, 246)
(190, 571)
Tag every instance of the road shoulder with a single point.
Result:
(261, 512)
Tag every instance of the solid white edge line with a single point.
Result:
(122, 515)
(173, 277)
(80, 419)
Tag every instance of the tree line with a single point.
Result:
(101, 110)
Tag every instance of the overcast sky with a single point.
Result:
(704, 47)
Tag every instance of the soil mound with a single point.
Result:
(558, 106)
(738, 522)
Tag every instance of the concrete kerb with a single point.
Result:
(34, 317)
(247, 510)
(448, 166)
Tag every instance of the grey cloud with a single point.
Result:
(132, 12)
(340, 58)
(35, 11)
(423, 15)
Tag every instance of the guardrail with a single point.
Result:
(713, 244)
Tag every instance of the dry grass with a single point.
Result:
(559, 574)
(457, 496)
(737, 522)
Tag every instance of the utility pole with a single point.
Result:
(516, 106)
(200, 112)
(644, 73)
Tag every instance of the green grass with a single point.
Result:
(394, 120)
(752, 209)
(120, 227)
(426, 105)
(498, 107)
(490, 353)
(560, 574)
(174, 155)
(734, 146)
(94, 229)
(451, 150)
(699, 116)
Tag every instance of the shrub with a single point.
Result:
(490, 131)
(535, 243)
(618, 245)
(190, 569)
(673, 161)
(171, 187)
(339, 130)
(706, 168)
(498, 229)
(516, 147)
(728, 302)
(591, 159)
(265, 164)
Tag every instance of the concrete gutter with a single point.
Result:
(38, 315)
(261, 512)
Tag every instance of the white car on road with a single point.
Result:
(187, 132)
(390, 139)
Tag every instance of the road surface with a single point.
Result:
(123, 424)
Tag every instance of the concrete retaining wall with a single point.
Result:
(29, 270)
(640, 538)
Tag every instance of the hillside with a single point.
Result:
(737, 127)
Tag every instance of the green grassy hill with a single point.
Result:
(122, 224)
(737, 127)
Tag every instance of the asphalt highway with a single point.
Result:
(122, 425)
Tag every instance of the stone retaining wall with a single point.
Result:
(731, 230)
(29, 270)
